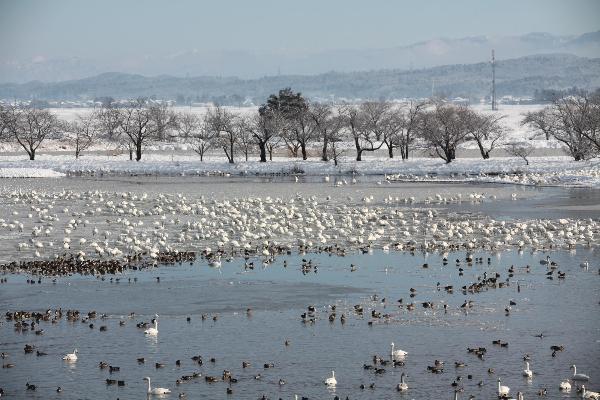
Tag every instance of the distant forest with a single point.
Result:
(538, 76)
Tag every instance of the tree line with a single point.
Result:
(289, 121)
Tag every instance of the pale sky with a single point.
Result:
(110, 29)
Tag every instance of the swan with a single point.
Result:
(578, 377)
(565, 386)
(156, 390)
(502, 390)
(527, 372)
(153, 331)
(71, 356)
(331, 381)
(398, 354)
(585, 394)
(546, 261)
(402, 386)
(585, 264)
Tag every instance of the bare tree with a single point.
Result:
(325, 125)
(519, 149)
(266, 128)
(485, 130)
(187, 124)
(246, 141)
(365, 124)
(573, 121)
(109, 121)
(164, 119)
(29, 127)
(137, 127)
(410, 119)
(82, 132)
(443, 129)
(336, 148)
(221, 123)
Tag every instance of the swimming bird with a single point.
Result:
(527, 372)
(565, 386)
(71, 356)
(331, 381)
(397, 354)
(153, 331)
(585, 394)
(578, 377)
(502, 390)
(402, 386)
(156, 390)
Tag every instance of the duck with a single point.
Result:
(71, 356)
(156, 391)
(527, 372)
(502, 390)
(331, 381)
(397, 354)
(578, 377)
(402, 386)
(153, 331)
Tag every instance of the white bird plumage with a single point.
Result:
(71, 356)
(565, 385)
(153, 331)
(527, 372)
(578, 377)
(397, 354)
(156, 390)
(402, 386)
(502, 390)
(331, 381)
(586, 394)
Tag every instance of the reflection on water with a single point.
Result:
(249, 314)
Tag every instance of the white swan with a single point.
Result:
(397, 354)
(402, 386)
(585, 394)
(153, 331)
(156, 390)
(565, 386)
(578, 377)
(71, 356)
(331, 381)
(502, 390)
(527, 372)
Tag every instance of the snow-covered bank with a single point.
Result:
(29, 173)
(541, 171)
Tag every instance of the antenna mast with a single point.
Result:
(494, 106)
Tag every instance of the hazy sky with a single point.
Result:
(114, 28)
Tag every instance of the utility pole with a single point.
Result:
(494, 106)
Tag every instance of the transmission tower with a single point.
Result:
(494, 106)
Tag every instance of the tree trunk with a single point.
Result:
(303, 149)
(138, 151)
(130, 154)
(324, 156)
(270, 153)
(263, 151)
(391, 151)
(231, 149)
(32, 154)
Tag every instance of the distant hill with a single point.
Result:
(249, 64)
(519, 77)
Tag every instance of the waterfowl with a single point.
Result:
(153, 331)
(502, 390)
(585, 394)
(402, 386)
(527, 372)
(578, 377)
(565, 385)
(156, 391)
(331, 381)
(71, 356)
(397, 354)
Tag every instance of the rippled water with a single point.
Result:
(566, 311)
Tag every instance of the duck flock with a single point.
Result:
(100, 233)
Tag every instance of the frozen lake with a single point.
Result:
(564, 310)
